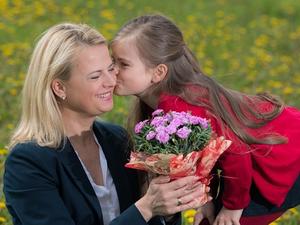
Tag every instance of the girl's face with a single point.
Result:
(89, 91)
(133, 77)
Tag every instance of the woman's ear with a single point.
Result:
(59, 89)
(159, 73)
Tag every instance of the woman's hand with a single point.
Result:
(228, 217)
(205, 211)
(165, 197)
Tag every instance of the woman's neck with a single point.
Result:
(77, 125)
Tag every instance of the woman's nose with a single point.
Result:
(111, 79)
(117, 69)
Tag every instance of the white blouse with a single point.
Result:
(107, 194)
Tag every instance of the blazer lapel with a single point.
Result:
(73, 165)
(113, 155)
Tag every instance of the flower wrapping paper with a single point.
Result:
(198, 163)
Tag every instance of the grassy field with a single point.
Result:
(248, 45)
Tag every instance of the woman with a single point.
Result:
(67, 168)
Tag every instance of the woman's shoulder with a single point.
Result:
(30, 150)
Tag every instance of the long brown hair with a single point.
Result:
(160, 41)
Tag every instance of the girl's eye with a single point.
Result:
(123, 64)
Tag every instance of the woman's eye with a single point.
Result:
(111, 69)
(95, 77)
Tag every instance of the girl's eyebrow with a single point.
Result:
(123, 59)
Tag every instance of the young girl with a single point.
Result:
(260, 171)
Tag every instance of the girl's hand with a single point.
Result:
(228, 217)
(205, 211)
(165, 197)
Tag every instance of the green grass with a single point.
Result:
(248, 45)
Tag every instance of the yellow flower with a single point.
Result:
(297, 79)
(2, 26)
(262, 40)
(251, 62)
(13, 92)
(104, 2)
(2, 204)
(3, 152)
(3, 5)
(274, 84)
(294, 211)
(10, 126)
(2, 219)
(191, 19)
(107, 14)
(39, 9)
(220, 13)
(208, 70)
(288, 90)
(190, 220)
(189, 213)
(7, 50)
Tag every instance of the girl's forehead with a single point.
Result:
(125, 41)
(126, 47)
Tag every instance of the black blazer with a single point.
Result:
(46, 186)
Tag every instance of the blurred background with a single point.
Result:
(247, 45)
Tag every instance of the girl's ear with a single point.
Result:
(159, 73)
(59, 89)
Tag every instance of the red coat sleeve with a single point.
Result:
(235, 163)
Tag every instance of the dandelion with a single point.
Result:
(2, 204)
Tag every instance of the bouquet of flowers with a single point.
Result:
(176, 144)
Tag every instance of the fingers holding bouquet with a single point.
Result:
(166, 197)
(192, 195)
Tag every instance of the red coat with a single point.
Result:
(272, 168)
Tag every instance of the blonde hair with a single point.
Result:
(52, 58)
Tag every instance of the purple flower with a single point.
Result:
(160, 129)
(157, 112)
(171, 128)
(183, 132)
(162, 137)
(182, 117)
(168, 117)
(176, 122)
(150, 135)
(139, 126)
(194, 120)
(203, 122)
(157, 121)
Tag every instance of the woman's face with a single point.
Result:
(133, 77)
(89, 91)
